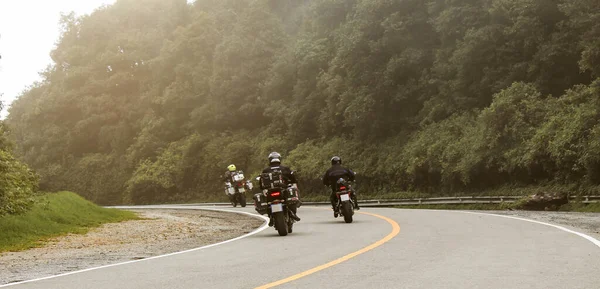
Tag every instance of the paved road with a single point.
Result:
(434, 249)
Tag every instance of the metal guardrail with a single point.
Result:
(429, 201)
(588, 199)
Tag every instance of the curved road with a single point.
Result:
(433, 249)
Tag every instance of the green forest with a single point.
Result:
(148, 101)
(18, 183)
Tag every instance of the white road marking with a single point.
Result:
(258, 230)
(587, 237)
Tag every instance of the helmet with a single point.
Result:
(231, 168)
(336, 160)
(274, 157)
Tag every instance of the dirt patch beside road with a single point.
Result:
(160, 232)
(587, 223)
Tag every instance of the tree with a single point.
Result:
(433, 96)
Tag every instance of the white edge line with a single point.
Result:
(587, 237)
(256, 231)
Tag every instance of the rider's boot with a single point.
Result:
(293, 214)
(335, 212)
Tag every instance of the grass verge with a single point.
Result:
(55, 214)
(580, 207)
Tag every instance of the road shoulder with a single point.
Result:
(161, 231)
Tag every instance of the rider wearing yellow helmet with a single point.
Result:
(228, 174)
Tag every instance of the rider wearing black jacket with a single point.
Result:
(335, 173)
(275, 164)
(288, 175)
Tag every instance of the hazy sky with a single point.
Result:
(28, 32)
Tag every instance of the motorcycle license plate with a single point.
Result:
(345, 197)
(276, 208)
(241, 190)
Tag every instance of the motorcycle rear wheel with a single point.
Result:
(280, 224)
(242, 200)
(347, 212)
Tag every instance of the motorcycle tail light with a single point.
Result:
(275, 194)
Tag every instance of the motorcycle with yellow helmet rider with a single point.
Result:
(236, 186)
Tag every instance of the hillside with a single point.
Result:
(150, 100)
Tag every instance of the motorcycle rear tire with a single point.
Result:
(242, 200)
(347, 212)
(280, 224)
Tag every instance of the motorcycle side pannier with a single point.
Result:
(260, 204)
(291, 196)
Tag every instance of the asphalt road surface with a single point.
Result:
(382, 248)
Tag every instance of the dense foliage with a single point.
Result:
(149, 100)
(18, 184)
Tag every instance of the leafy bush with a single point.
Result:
(18, 184)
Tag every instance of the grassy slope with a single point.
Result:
(579, 207)
(55, 214)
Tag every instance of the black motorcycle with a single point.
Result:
(344, 204)
(280, 204)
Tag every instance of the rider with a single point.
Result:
(227, 177)
(332, 175)
(288, 175)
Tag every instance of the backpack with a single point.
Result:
(273, 180)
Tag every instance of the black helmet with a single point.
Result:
(274, 157)
(336, 160)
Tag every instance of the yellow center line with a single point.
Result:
(395, 231)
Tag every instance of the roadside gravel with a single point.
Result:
(587, 223)
(160, 232)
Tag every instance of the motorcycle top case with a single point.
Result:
(260, 204)
(238, 177)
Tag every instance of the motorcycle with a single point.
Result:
(280, 204)
(236, 191)
(344, 205)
